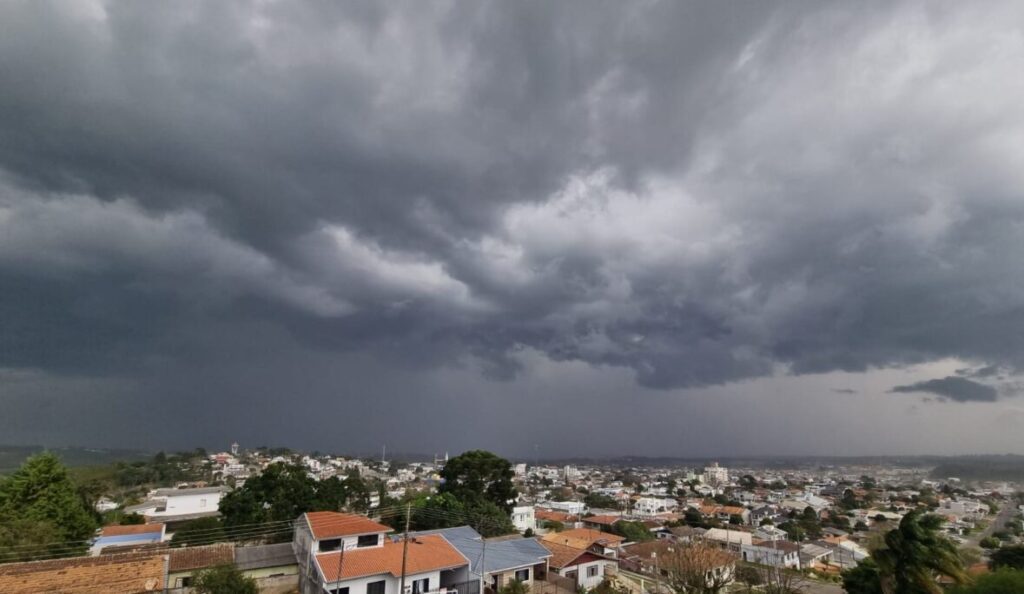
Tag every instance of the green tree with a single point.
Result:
(1004, 581)
(41, 491)
(989, 542)
(601, 501)
(632, 531)
(1010, 557)
(477, 476)
(23, 540)
(223, 579)
(281, 492)
(915, 554)
(198, 532)
(863, 579)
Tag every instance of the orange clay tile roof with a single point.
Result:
(190, 558)
(430, 552)
(582, 538)
(132, 529)
(327, 524)
(605, 520)
(553, 516)
(563, 556)
(127, 574)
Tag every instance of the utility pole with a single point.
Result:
(483, 556)
(405, 545)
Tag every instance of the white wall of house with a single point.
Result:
(188, 503)
(588, 574)
(523, 518)
(769, 556)
(391, 583)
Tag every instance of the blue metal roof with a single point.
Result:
(501, 555)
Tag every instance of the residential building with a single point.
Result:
(350, 554)
(716, 475)
(174, 506)
(584, 568)
(586, 539)
(496, 562)
(523, 518)
(185, 562)
(779, 553)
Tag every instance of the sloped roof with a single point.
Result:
(190, 558)
(564, 556)
(263, 556)
(503, 554)
(582, 538)
(326, 524)
(130, 574)
(426, 553)
(131, 530)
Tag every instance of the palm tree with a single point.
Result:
(915, 554)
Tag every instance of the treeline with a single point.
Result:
(982, 468)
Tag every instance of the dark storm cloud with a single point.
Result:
(954, 388)
(696, 193)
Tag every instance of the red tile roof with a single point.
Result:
(325, 524)
(128, 574)
(582, 538)
(190, 558)
(131, 529)
(429, 552)
(605, 520)
(563, 556)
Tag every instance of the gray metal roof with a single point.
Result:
(264, 556)
(501, 555)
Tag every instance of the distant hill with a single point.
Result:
(981, 468)
(11, 457)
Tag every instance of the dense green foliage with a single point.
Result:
(199, 532)
(1004, 581)
(223, 579)
(632, 531)
(863, 579)
(477, 476)
(40, 505)
(915, 553)
(1011, 557)
(283, 492)
(601, 501)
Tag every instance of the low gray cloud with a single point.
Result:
(954, 388)
(844, 391)
(692, 194)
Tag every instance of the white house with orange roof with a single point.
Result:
(351, 554)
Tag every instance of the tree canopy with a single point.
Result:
(223, 579)
(40, 504)
(476, 476)
(915, 554)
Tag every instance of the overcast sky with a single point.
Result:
(570, 228)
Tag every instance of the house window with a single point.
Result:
(523, 575)
(592, 571)
(421, 586)
(184, 582)
(332, 544)
(202, 503)
(375, 587)
(338, 590)
(367, 540)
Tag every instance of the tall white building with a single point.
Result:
(716, 475)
